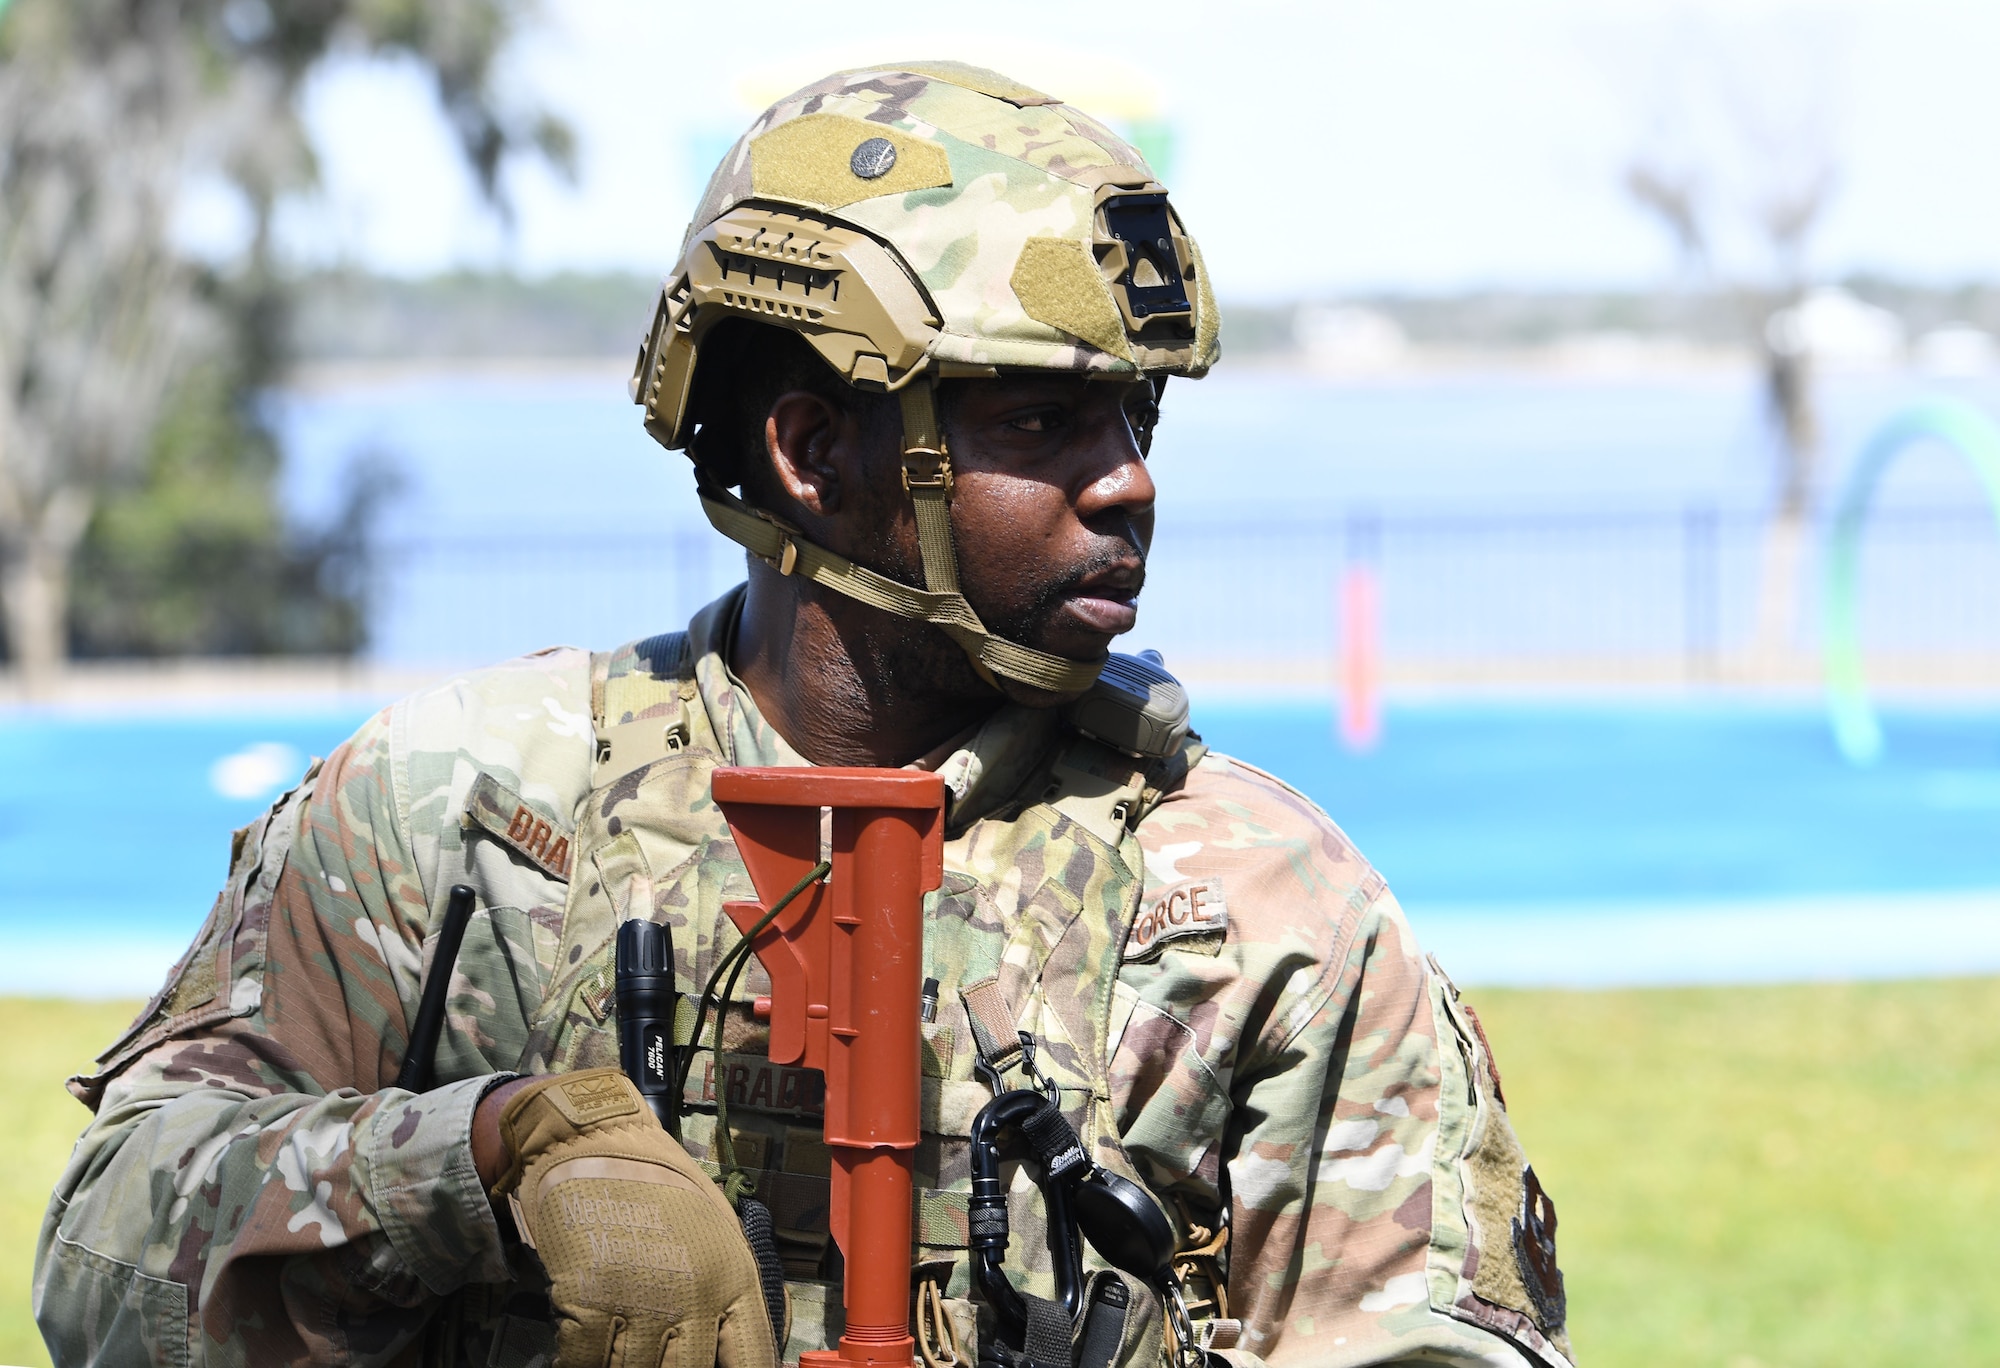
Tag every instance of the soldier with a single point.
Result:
(921, 326)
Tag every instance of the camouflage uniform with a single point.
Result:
(1229, 997)
(1229, 1002)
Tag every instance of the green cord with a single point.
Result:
(736, 1182)
(738, 951)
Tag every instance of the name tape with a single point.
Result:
(1193, 907)
(499, 811)
(756, 1084)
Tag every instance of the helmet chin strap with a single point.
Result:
(927, 478)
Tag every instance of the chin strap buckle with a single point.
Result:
(926, 462)
(787, 559)
(927, 468)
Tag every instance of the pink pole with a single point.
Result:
(1360, 657)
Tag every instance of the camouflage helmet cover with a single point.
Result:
(934, 217)
(914, 222)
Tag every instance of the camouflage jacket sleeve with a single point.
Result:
(252, 1189)
(1312, 1076)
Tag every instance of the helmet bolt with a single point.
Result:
(873, 159)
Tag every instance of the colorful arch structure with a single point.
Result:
(1966, 429)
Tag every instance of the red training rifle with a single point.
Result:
(846, 966)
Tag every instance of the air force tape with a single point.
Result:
(1193, 907)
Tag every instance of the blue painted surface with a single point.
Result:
(1544, 804)
(113, 825)
(109, 826)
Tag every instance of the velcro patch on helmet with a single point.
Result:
(1058, 283)
(813, 160)
(1207, 317)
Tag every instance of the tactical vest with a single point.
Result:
(1023, 938)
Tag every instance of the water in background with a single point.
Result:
(535, 510)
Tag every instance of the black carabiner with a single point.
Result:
(1120, 1220)
(1012, 1111)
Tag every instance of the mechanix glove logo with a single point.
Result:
(594, 1098)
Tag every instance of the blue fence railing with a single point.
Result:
(1676, 587)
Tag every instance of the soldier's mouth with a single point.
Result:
(1103, 613)
(1079, 614)
(1106, 600)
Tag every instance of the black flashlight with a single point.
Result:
(646, 1017)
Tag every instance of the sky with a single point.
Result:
(1315, 148)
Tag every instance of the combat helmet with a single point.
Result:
(915, 222)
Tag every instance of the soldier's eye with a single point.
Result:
(1041, 420)
(1144, 420)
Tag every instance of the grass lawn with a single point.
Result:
(1802, 1175)
(46, 1043)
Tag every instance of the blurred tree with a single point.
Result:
(194, 557)
(109, 111)
(1737, 161)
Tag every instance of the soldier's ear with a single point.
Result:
(810, 443)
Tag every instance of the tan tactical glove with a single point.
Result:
(646, 1260)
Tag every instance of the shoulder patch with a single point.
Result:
(1508, 1281)
(499, 811)
(1192, 907)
